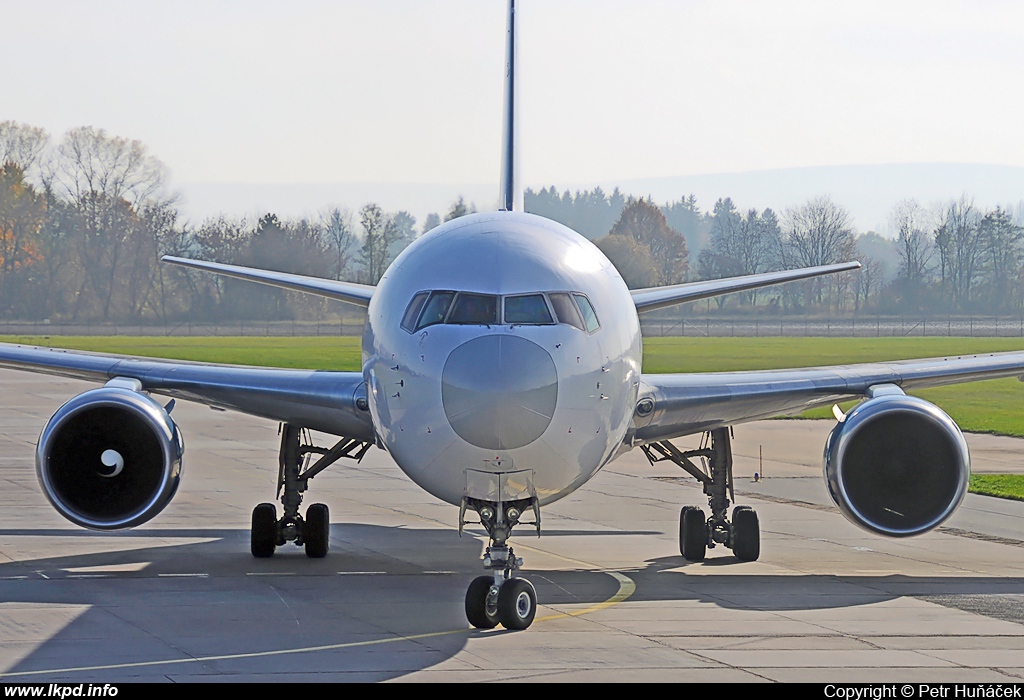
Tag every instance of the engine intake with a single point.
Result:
(897, 465)
(109, 458)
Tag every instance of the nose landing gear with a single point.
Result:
(502, 597)
(697, 534)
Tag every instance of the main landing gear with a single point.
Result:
(697, 534)
(314, 531)
(501, 596)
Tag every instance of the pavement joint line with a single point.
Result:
(626, 589)
(955, 531)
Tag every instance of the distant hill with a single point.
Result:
(868, 191)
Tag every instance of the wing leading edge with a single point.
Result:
(653, 298)
(320, 400)
(684, 404)
(359, 294)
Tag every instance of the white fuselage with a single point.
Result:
(504, 397)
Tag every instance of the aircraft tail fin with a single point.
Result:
(510, 197)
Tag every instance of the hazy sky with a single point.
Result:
(403, 91)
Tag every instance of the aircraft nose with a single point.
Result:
(499, 391)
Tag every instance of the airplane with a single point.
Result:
(501, 370)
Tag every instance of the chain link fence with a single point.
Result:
(840, 327)
(653, 326)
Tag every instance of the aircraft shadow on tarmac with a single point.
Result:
(147, 602)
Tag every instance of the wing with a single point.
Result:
(658, 297)
(689, 403)
(325, 401)
(351, 292)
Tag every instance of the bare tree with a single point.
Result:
(908, 219)
(959, 246)
(91, 162)
(818, 233)
(379, 232)
(740, 245)
(336, 225)
(22, 144)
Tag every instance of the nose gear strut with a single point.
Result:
(313, 531)
(696, 534)
(501, 597)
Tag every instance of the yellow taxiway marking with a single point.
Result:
(626, 589)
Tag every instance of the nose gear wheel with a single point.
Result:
(502, 597)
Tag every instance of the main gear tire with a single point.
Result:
(263, 537)
(316, 531)
(693, 533)
(746, 536)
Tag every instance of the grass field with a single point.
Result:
(999, 485)
(995, 406)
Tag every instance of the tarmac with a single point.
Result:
(181, 599)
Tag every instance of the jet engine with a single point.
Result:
(897, 465)
(110, 458)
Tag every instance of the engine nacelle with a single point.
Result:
(897, 465)
(109, 458)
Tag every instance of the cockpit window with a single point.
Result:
(566, 310)
(435, 309)
(477, 309)
(528, 309)
(467, 308)
(589, 317)
(413, 312)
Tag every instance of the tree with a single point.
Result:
(459, 208)
(22, 145)
(405, 233)
(644, 223)
(739, 245)
(686, 217)
(336, 225)
(912, 244)
(379, 232)
(959, 246)
(432, 221)
(914, 251)
(22, 217)
(590, 213)
(91, 162)
(1002, 255)
(818, 233)
(632, 259)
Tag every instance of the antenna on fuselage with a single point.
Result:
(510, 198)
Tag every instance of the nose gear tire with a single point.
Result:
(517, 604)
(481, 606)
